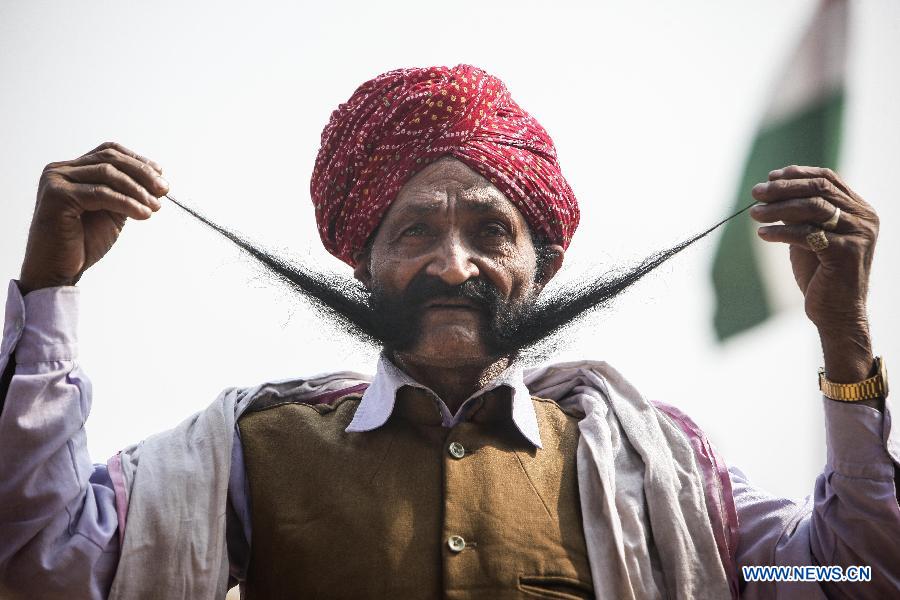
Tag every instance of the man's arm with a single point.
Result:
(853, 518)
(57, 511)
(832, 233)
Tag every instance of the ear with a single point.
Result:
(552, 267)
(361, 271)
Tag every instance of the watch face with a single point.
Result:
(882, 370)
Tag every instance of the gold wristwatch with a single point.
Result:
(867, 389)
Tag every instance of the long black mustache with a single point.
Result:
(375, 318)
(399, 317)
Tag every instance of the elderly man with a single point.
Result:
(451, 473)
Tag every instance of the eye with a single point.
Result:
(417, 230)
(494, 229)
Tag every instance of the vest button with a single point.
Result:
(456, 543)
(456, 450)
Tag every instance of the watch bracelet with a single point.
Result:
(868, 389)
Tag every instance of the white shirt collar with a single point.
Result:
(378, 400)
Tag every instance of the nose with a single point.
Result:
(452, 262)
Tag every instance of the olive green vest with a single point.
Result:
(413, 509)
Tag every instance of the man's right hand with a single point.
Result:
(82, 205)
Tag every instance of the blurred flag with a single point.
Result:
(802, 125)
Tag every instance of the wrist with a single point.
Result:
(28, 286)
(847, 352)
(870, 390)
(30, 283)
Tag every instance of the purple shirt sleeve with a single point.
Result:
(57, 510)
(852, 518)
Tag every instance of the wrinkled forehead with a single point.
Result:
(431, 188)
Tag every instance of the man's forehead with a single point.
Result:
(450, 178)
(474, 199)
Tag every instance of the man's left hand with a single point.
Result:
(835, 279)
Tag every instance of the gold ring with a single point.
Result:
(817, 240)
(831, 224)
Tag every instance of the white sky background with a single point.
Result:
(652, 106)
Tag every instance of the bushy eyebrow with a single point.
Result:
(480, 199)
(421, 209)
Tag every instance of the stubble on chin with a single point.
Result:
(441, 343)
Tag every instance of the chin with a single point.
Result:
(453, 348)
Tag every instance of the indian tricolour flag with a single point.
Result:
(801, 126)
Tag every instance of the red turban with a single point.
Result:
(399, 122)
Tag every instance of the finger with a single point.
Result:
(785, 189)
(126, 152)
(795, 235)
(801, 172)
(814, 210)
(92, 196)
(107, 174)
(138, 171)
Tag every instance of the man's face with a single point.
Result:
(450, 227)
